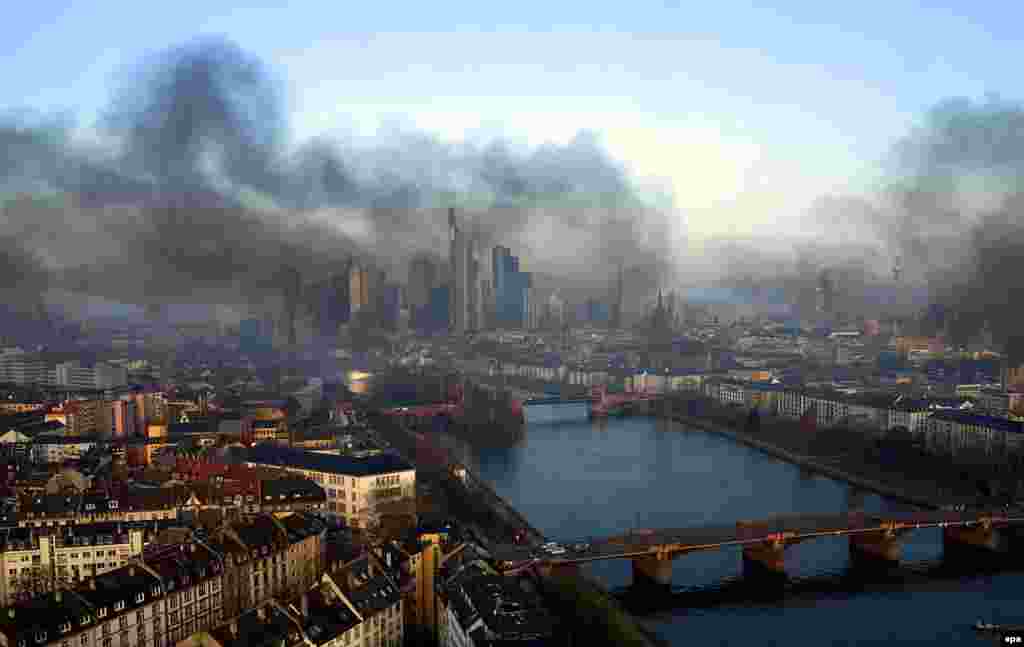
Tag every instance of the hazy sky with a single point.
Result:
(748, 112)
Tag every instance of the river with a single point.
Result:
(582, 479)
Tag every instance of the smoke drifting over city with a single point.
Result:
(199, 193)
(950, 210)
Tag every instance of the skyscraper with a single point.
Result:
(423, 277)
(501, 262)
(461, 264)
(359, 288)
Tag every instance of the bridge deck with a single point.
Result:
(789, 529)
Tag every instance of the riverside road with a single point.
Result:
(591, 480)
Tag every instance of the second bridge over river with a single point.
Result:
(873, 538)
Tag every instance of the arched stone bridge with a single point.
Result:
(872, 537)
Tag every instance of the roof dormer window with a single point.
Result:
(65, 627)
(112, 505)
(40, 637)
(119, 605)
(156, 590)
(101, 612)
(140, 597)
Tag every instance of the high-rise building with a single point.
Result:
(501, 263)
(23, 368)
(390, 306)
(333, 304)
(461, 263)
(359, 288)
(423, 277)
(511, 289)
(108, 376)
(438, 312)
(122, 418)
(76, 376)
(825, 294)
(254, 336)
(615, 315)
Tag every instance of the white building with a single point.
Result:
(23, 368)
(74, 375)
(36, 560)
(357, 488)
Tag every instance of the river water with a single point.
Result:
(581, 479)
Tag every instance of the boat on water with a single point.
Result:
(988, 627)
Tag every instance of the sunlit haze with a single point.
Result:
(748, 114)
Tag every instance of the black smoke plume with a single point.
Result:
(195, 195)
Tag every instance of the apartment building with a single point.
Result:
(122, 418)
(267, 557)
(324, 615)
(147, 504)
(75, 376)
(483, 608)
(9, 407)
(56, 449)
(130, 606)
(375, 598)
(970, 435)
(193, 579)
(84, 417)
(35, 561)
(358, 489)
(23, 368)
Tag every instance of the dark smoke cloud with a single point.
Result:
(950, 208)
(199, 196)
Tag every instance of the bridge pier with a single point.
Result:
(766, 558)
(559, 569)
(654, 571)
(877, 548)
(980, 536)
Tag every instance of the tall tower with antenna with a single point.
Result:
(897, 269)
(616, 313)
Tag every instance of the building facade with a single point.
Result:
(358, 489)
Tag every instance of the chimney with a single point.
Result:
(234, 628)
(131, 571)
(304, 601)
(58, 595)
(92, 583)
(261, 612)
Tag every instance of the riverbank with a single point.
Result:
(846, 456)
(598, 618)
(594, 616)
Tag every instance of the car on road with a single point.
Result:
(557, 550)
(581, 547)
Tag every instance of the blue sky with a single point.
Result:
(747, 112)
